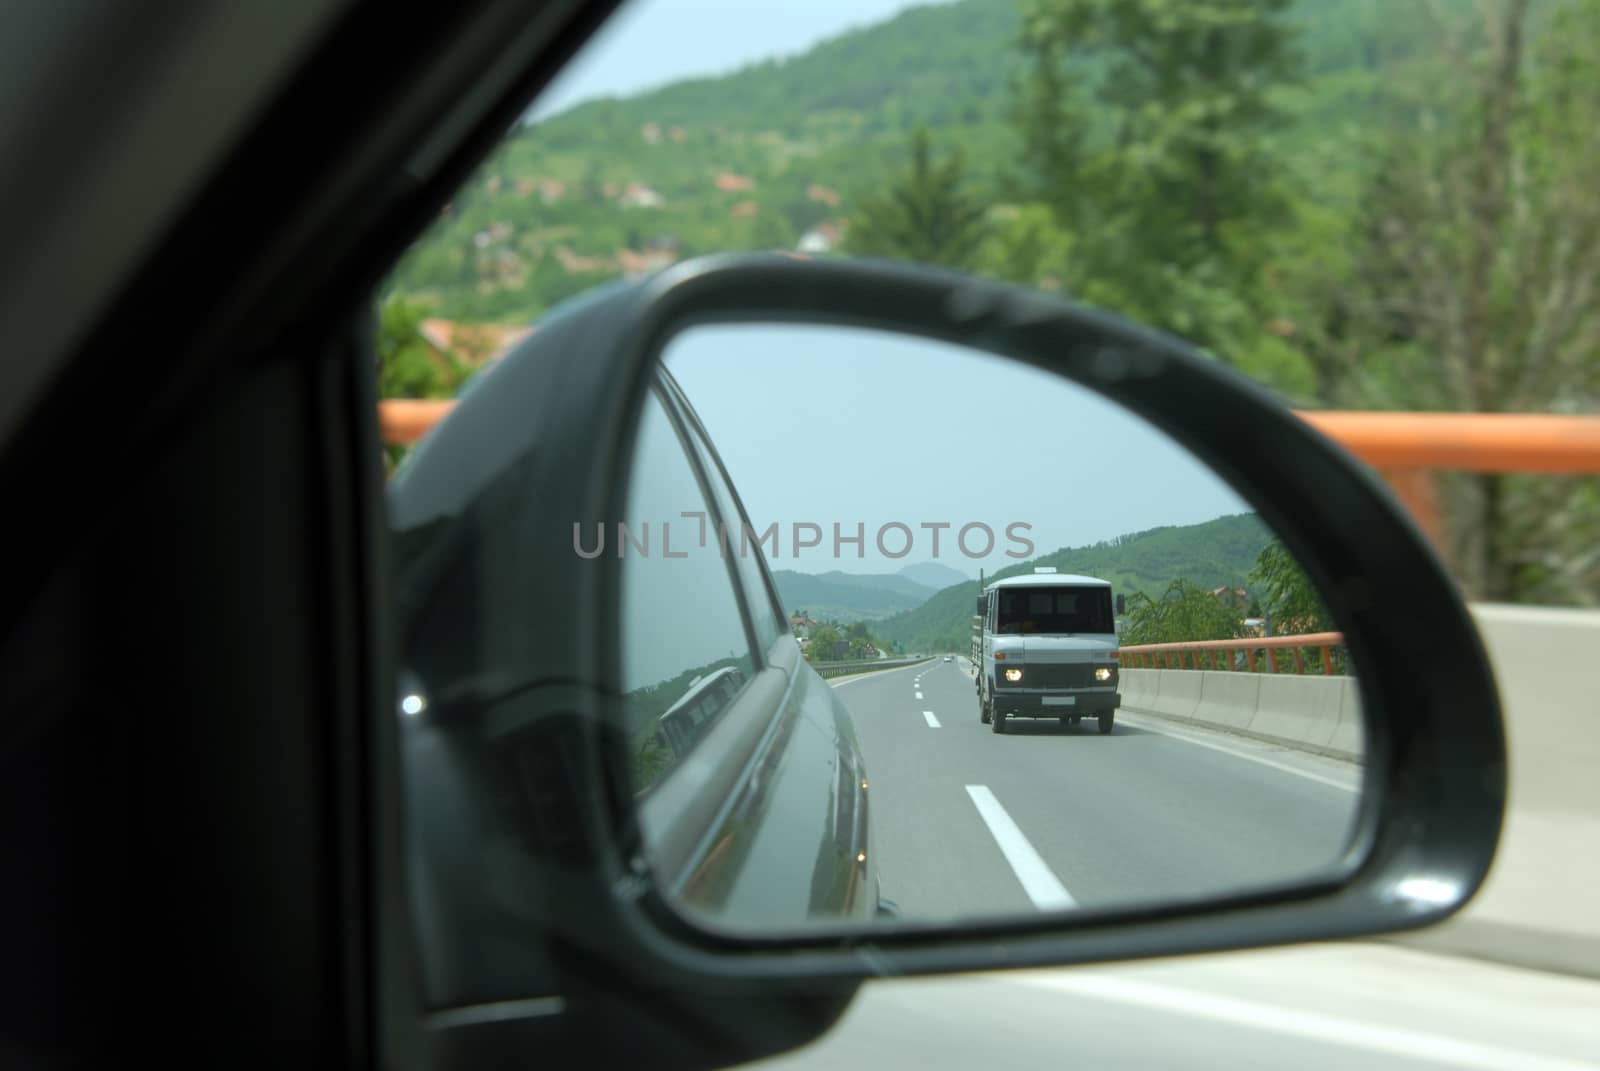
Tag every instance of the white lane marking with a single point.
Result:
(1350, 1033)
(1041, 885)
(1236, 753)
(919, 695)
(933, 722)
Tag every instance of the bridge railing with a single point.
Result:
(1195, 652)
(1405, 448)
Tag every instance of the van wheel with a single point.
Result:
(1073, 720)
(997, 719)
(985, 712)
(1106, 721)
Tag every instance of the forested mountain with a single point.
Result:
(758, 158)
(1362, 204)
(1218, 553)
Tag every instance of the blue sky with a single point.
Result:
(652, 42)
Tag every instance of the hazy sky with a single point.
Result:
(827, 425)
(652, 42)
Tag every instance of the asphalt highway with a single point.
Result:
(967, 822)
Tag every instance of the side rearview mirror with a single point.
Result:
(606, 721)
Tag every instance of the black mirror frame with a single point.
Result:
(1435, 771)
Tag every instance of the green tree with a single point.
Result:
(1288, 597)
(1475, 277)
(408, 365)
(1184, 612)
(823, 640)
(927, 216)
(1146, 127)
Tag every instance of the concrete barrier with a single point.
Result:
(1177, 694)
(1537, 908)
(1229, 699)
(1351, 735)
(1139, 687)
(1302, 709)
(1306, 711)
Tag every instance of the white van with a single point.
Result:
(1048, 650)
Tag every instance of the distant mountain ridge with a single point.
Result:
(848, 597)
(934, 575)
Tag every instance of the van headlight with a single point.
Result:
(1103, 673)
(1013, 675)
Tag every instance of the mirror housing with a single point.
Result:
(574, 903)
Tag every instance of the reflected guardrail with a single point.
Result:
(1171, 655)
(864, 665)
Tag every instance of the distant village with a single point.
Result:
(504, 263)
(830, 641)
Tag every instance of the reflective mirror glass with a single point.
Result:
(914, 632)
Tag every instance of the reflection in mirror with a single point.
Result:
(912, 630)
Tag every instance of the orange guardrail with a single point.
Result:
(1405, 448)
(1466, 442)
(1171, 655)
(403, 421)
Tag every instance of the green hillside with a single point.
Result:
(1360, 204)
(618, 187)
(848, 597)
(1214, 554)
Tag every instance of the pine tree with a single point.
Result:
(928, 216)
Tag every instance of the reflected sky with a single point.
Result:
(832, 424)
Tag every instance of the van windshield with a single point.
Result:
(1053, 610)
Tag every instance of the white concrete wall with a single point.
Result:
(1314, 713)
(1541, 903)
